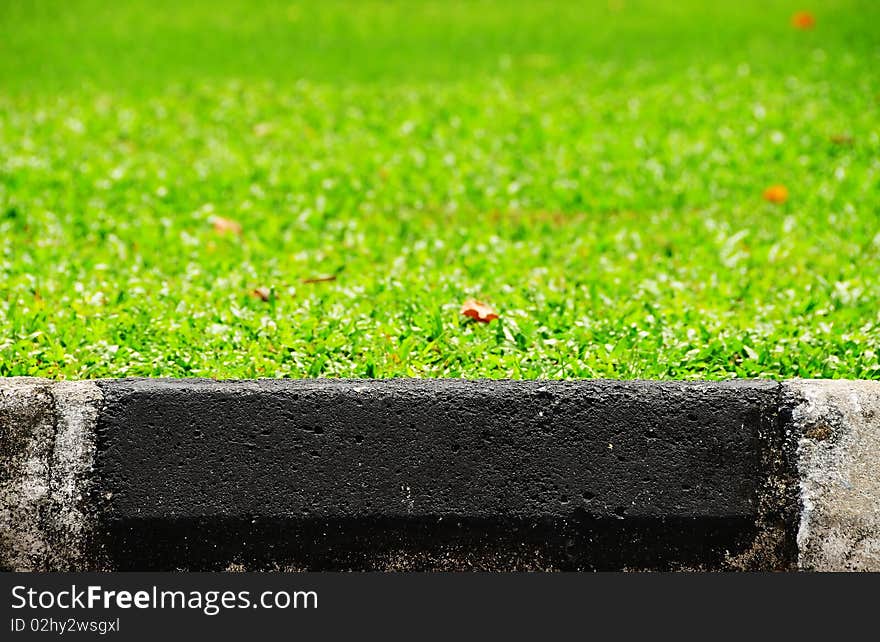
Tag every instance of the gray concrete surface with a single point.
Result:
(47, 433)
(27, 424)
(419, 474)
(836, 425)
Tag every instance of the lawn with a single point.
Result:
(301, 189)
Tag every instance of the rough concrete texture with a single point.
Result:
(376, 474)
(836, 425)
(27, 425)
(77, 407)
(46, 457)
(158, 474)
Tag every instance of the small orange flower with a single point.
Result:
(478, 311)
(803, 20)
(225, 225)
(776, 194)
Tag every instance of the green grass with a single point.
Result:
(593, 170)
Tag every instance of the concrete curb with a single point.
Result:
(838, 457)
(438, 474)
(47, 450)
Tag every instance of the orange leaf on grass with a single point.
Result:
(803, 20)
(478, 311)
(225, 225)
(776, 194)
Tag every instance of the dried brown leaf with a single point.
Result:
(478, 311)
(262, 293)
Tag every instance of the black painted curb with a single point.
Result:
(430, 474)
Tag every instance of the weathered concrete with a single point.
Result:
(836, 425)
(588, 474)
(74, 516)
(419, 474)
(46, 455)
(27, 430)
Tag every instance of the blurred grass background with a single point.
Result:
(594, 170)
(145, 45)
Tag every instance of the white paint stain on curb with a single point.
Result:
(47, 450)
(837, 426)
